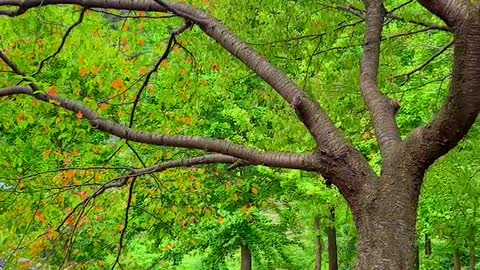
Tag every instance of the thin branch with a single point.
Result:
(361, 14)
(64, 39)
(409, 74)
(131, 16)
(167, 51)
(100, 168)
(125, 223)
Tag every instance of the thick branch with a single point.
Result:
(308, 111)
(462, 106)
(452, 12)
(382, 108)
(256, 157)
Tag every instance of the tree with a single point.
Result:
(384, 205)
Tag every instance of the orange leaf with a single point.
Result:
(75, 153)
(254, 191)
(95, 33)
(51, 235)
(143, 70)
(186, 120)
(165, 64)
(70, 221)
(183, 72)
(83, 194)
(67, 161)
(40, 42)
(70, 174)
(35, 102)
(141, 43)
(216, 68)
(52, 91)
(124, 41)
(40, 217)
(220, 220)
(101, 263)
(83, 71)
(103, 106)
(79, 115)
(47, 153)
(176, 48)
(118, 84)
(125, 27)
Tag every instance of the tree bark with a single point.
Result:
(246, 258)
(318, 243)
(457, 260)
(472, 253)
(386, 219)
(332, 242)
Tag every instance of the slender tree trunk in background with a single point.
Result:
(472, 253)
(457, 260)
(318, 243)
(332, 242)
(428, 246)
(246, 258)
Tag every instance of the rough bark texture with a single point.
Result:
(246, 258)
(332, 242)
(318, 243)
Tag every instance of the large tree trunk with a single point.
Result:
(332, 242)
(318, 243)
(386, 223)
(246, 258)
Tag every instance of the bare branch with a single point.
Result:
(382, 108)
